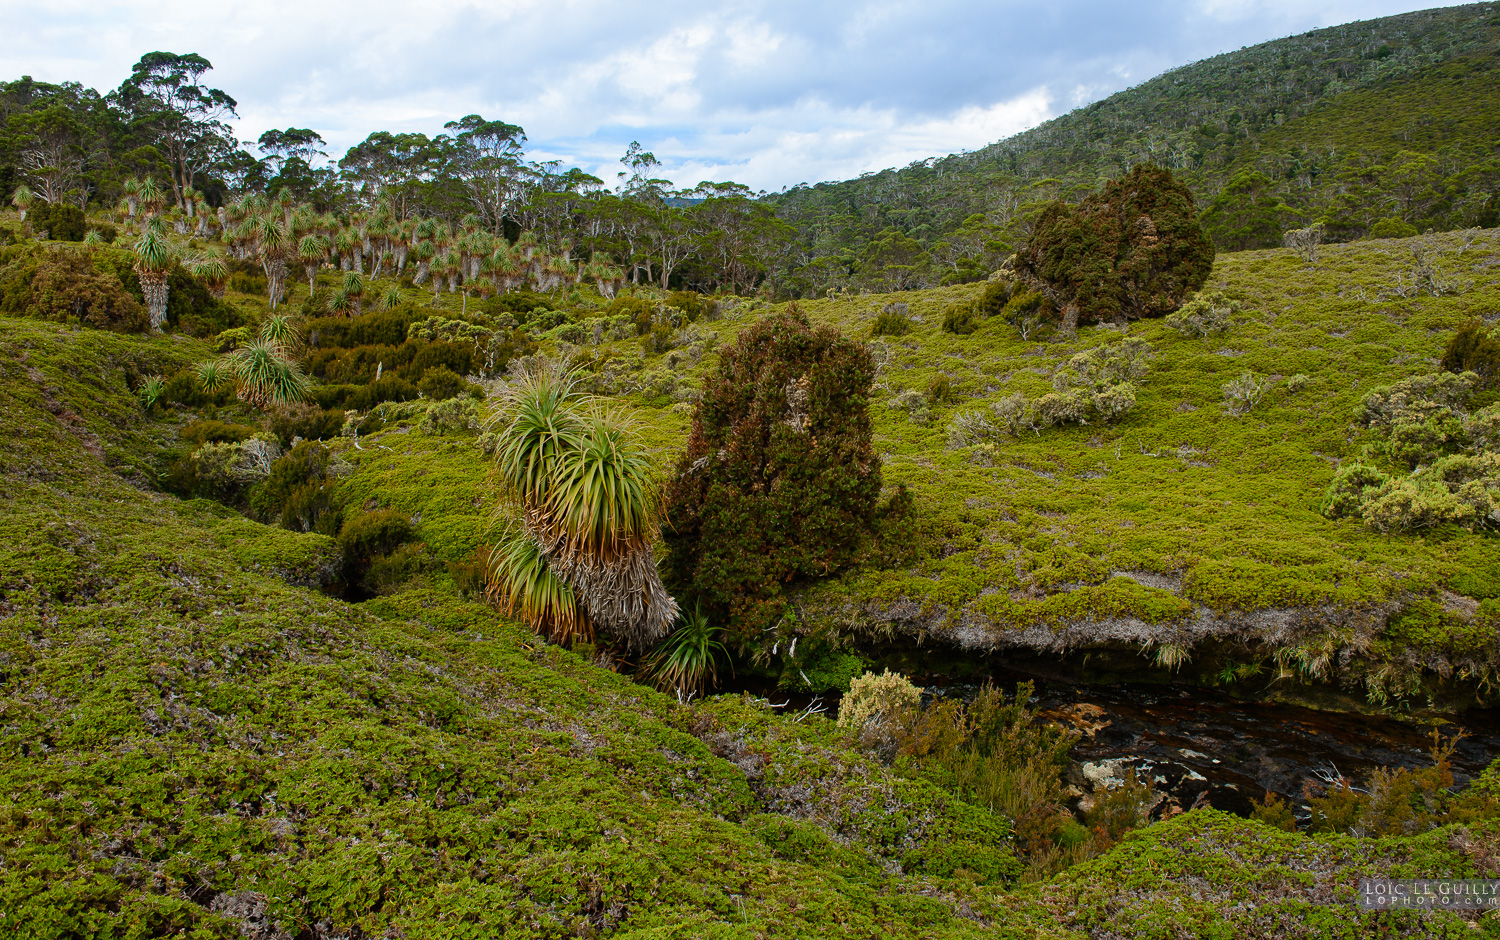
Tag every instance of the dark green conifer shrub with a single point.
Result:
(779, 481)
(61, 222)
(386, 328)
(300, 493)
(205, 431)
(388, 388)
(369, 536)
(307, 421)
(1135, 249)
(1474, 349)
(457, 358)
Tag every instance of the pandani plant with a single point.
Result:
(22, 199)
(154, 255)
(265, 372)
(578, 486)
(687, 661)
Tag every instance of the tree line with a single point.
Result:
(1373, 130)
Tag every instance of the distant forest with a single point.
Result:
(1385, 127)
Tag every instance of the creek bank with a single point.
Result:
(1201, 747)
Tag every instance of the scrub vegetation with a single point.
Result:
(374, 556)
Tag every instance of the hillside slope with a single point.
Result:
(193, 746)
(1307, 111)
(191, 743)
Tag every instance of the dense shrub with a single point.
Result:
(1134, 249)
(387, 328)
(656, 340)
(299, 493)
(223, 470)
(1474, 349)
(692, 304)
(367, 536)
(1392, 228)
(1209, 312)
(940, 390)
(457, 358)
(440, 382)
(190, 307)
(307, 421)
(779, 480)
(1027, 310)
(63, 284)
(185, 388)
(1099, 383)
(993, 300)
(877, 699)
(516, 303)
(61, 222)
(388, 388)
(1353, 485)
(960, 319)
(452, 416)
(892, 320)
(207, 431)
(1424, 426)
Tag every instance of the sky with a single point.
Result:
(770, 93)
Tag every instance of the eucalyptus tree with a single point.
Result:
(166, 99)
(487, 160)
(389, 169)
(154, 256)
(50, 154)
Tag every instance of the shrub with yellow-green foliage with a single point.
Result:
(877, 698)
(1452, 454)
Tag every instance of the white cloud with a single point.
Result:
(768, 92)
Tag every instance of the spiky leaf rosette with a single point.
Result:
(523, 584)
(211, 270)
(541, 404)
(584, 489)
(282, 333)
(265, 378)
(153, 259)
(688, 659)
(214, 375)
(598, 523)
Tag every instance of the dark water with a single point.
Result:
(1237, 746)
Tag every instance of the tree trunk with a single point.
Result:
(154, 287)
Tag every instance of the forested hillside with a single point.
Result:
(1389, 118)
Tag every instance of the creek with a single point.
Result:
(1204, 747)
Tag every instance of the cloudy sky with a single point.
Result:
(765, 92)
